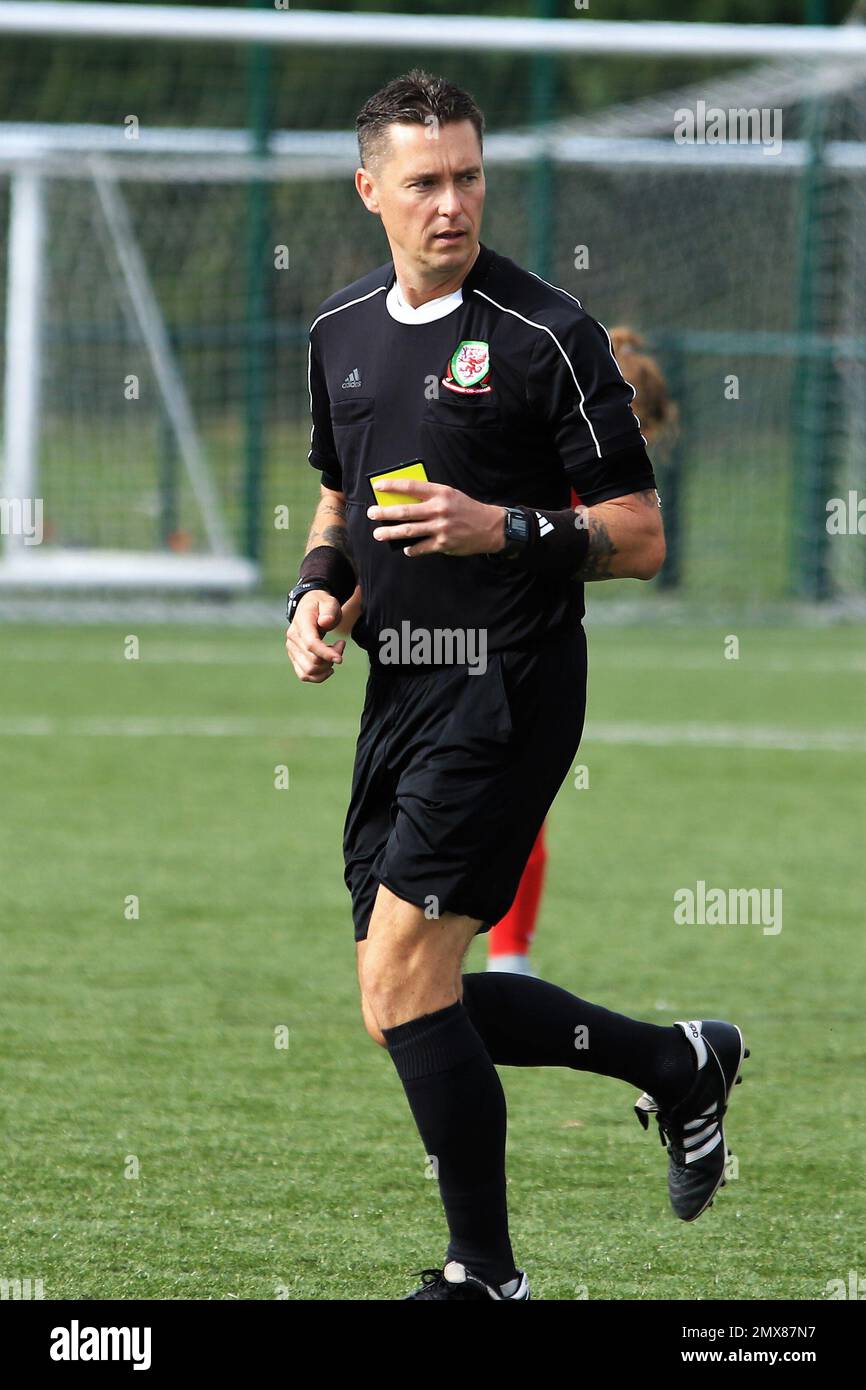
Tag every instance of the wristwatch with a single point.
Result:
(516, 534)
(295, 595)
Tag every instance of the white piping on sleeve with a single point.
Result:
(543, 327)
(632, 388)
(310, 391)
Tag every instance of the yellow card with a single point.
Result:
(385, 496)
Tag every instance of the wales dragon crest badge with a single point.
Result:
(469, 368)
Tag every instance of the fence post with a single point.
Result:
(669, 475)
(256, 364)
(543, 105)
(813, 374)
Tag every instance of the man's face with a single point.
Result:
(428, 188)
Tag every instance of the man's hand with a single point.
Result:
(450, 522)
(314, 660)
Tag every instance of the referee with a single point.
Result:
(509, 394)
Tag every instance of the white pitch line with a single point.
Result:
(174, 726)
(154, 656)
(760, 664)
(207, 654)
(773, 738)
(694, 735)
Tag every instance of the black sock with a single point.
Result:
(458, 1103)
(526, 1022)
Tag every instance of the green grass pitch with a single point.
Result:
(159, 1145)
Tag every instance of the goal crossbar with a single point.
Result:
(467, 33)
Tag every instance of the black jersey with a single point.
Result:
(513, 396)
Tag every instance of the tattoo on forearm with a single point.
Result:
(596, 564)
(329, 528)
(599, 557)
(338, 537)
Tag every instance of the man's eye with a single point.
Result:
(428, 183)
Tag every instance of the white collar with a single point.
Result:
(425, 313)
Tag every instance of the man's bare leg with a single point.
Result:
(415, 962)
(409, 974)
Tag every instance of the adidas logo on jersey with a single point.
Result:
(544, 525)
(353, 379)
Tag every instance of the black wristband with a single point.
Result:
(558, 541)
(331, 566)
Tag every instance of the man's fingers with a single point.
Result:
(418, 511)
(420, 540)
(312, 659)
(309, 668)
(316, 677)
(309, 639)
(426, 547)
(400, 533)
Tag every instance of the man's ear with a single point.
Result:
(366, 189)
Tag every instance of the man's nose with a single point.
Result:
(449, 202)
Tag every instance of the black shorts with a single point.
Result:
(454, 775)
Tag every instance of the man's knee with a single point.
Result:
(379, 978)
(406, 974)
(370, 1023)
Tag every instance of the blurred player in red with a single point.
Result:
(510, 939)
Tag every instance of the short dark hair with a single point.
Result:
(416, 98)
